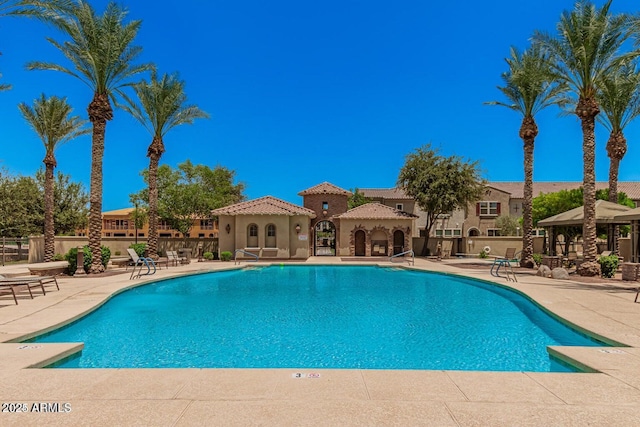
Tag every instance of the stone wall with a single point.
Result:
(119, 244)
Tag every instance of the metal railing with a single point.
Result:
(235, 256)
(410, 251)
(145, 262)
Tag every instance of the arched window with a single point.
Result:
(252, 236)
(270, 241)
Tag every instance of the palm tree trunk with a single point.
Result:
(99, 112)
(152, 241)
(528, 133)
(616, 149)
(154, 153)
(587, 110)
(49, 233)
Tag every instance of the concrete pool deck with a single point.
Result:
(185, 397)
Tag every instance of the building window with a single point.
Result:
(160, 234)
(206, 224)
(200, 235)
(449, 232)
(399, 206)
(325, 206)
(493, 232)
(488, 208)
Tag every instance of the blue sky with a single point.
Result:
(305, 92)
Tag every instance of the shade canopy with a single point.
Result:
(630, 215)
(606, 213)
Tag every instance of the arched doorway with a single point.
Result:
(360, 239)
(398, 242)
(325, 240)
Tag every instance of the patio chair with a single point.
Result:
(175, 258)
(505, 262)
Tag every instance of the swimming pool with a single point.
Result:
(319, 317)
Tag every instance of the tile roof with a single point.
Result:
(385, 193)
(375, 211)
(123, 211)
(266, 205)
(516, 189)
(325, 188)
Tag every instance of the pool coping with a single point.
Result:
(604, 310)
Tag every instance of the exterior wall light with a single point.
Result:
(228, 228)
(298, 228)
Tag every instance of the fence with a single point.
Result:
(14, 249)
(119, 245)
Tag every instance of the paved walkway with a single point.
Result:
(185, 397)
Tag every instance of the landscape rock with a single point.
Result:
(559, 273)
(543, 271)
(589, 269)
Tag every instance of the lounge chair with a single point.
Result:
(29, 282)
(139, 261)
(13, 291)
(505, 262)
(175, 258)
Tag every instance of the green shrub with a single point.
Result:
(139, 248)
(483, 254)
(225, 255)
(608, 265)
(117, 253)
(208, 256)
(58, 257)
(72, 258)
(537, 258)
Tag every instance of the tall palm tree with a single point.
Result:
(161, 108)
(619, 97)
(101, 54)
(529, 87)
(587, 48)
(51, 119)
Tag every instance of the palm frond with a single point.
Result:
(619, 97)
(529, 84)
(161, 104)
(51, 119)
(587, 46)
(99, 47)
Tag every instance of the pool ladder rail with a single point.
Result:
(242, 251)
(142, 262)
(506, 263)
(410, 251)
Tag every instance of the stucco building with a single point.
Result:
(323, 226)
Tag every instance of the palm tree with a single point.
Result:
(619, 97)
(101, 53)
(529, 87)
(586, 49)
(51, 119)
(162, 108)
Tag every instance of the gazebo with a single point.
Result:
(606, 213)
(633, 216)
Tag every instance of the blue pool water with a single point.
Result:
(319, 317)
